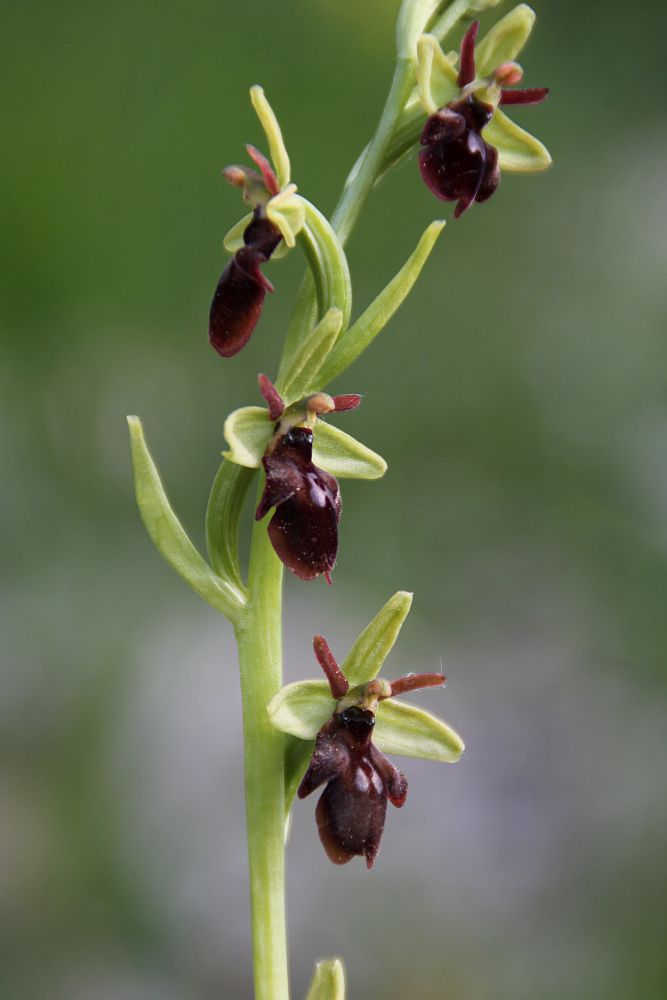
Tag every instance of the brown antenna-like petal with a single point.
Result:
(337, 680)
(413, 682)
(467, 60)
(272, 396)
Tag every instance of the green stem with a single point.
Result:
(259, 638)
(367, 168)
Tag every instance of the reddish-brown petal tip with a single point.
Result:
(348, 402)
(337, 679)
(529, 95)
(272, 396)
(414, 682)
(270, 179)
(467, 60)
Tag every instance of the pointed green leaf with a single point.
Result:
(373, 646)
(505, 40)
(247, 432)
(375, 318)
(274, 136)
(168, 534)
(436, 77)
(343, 456)
(518, 150)
(225, 503)
(411, 732)
(302, 708)
(312, 355)
(329, 981)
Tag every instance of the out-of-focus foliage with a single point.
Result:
(519, 398)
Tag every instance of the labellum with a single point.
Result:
(304, 527)
(239, 295)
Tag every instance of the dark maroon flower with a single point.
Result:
(304, 527)
(239, 295)
(359, 779)
(456, 162)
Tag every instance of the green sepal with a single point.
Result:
(412, 732)
(314, 350)
(301, 709)
(343, 456)
(225, 503)
(329, 981)
(352, 343)
(233, 240)
(505, 40)
(518, 150)
(248, 432)
(287, 212)
(436, 77)
(169, 536)
(373, 645)
(274, 136)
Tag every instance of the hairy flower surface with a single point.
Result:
(459, 160)
(304, 527)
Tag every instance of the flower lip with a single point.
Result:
(304, 527)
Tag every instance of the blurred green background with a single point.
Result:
(520, 399)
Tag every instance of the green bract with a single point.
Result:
(329, 981)
(302, 708)
(223, 592)
(249, 430)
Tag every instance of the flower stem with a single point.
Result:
(259, 638)
(365, 172)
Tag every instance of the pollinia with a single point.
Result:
(444, 110)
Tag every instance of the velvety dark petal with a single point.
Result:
(491, 178)
(237, 303)
(443, 126)
(352, 810)
(454, 170)
(304, 528)
(395, 781)
(304, 532)
(261, 235)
